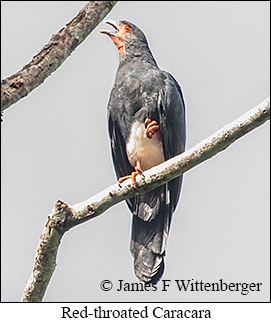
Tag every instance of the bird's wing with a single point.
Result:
(120, 160)
(118, 148)
(153, 210)
(171, 112)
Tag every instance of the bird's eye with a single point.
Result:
(127, 27)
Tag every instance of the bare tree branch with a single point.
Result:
(64, 217)
(54, 53)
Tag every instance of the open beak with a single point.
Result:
(112, 23)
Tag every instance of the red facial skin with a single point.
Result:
(118, 38)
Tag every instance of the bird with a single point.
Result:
(146, 124)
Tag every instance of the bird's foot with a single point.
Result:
(152, 127)
(138, 170)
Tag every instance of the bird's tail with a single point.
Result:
(150, 228)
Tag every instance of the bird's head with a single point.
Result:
(127, 37)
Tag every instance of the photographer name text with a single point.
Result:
(183, 285)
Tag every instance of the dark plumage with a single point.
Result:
(141, 91)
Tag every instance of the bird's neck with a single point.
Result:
(138, 55)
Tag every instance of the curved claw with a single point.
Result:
(152, 127)
(138, 170)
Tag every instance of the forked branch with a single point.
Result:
(64, 217)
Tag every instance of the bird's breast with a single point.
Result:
(149, 151)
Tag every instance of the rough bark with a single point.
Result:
(52, 55)
(64, 217)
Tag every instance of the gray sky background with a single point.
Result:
(55, 146)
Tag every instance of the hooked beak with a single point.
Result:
(114, 24)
